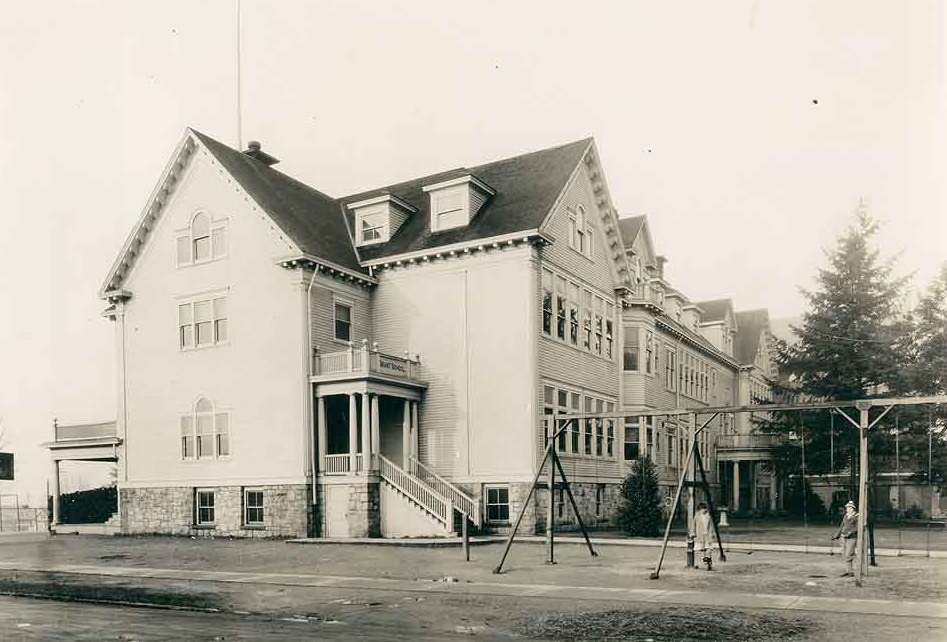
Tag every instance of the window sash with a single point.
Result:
(498, 504)
(205, 507)
(253, 507)
(343, 322)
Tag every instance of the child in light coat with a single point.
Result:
(704, 535)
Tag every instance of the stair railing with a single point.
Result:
(462, 501)
(435, 504)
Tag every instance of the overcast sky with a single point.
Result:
(747, 131)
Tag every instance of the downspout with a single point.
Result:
(308, 385)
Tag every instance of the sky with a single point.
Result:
(746, 130)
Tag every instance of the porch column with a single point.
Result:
(366, 435)
(753, 480)
(406, 436)
(736, 486)
(376, 429)
(415, 449)
(55, 485)
(323, 432)
(353, 434)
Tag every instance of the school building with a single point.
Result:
(293, 364)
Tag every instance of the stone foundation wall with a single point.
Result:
(362, 509)
(287, 511)
(534, 520)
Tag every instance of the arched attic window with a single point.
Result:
(580, 232)
(203, 240)
(205, 432)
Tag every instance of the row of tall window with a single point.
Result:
(577, 316)
(665, 442)
(202, 323)
(205, 432)
(593, 437)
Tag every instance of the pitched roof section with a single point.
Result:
(715, 310)
(629, 229)
(750, 326)
(309, 217)
(526, 187)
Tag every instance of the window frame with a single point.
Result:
(216, 235)
(343, 303)
(193, 440)
(383, 229)
(247, 507)
(487, 504)
(191, 329)
(201, 508)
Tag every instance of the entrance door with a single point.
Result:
(337, 518)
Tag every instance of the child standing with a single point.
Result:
(704, 536)
(848, 531)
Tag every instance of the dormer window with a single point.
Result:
(454, 203)
(377, 219)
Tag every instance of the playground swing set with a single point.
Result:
(694, 464)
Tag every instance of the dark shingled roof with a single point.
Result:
(629, 228)
(526, 188)
(750, 325)
(715, 310)
(309, 217)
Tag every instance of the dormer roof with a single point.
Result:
(526, 188)
(716, 310)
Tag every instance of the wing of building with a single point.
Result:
(296, 364)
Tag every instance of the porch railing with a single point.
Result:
(462, 501)
(365, 360)
(436, 505)
(341, 464)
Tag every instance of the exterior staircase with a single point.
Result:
(435, 496)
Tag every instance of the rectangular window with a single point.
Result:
(632, 437)
(630, 355)
(562, 408)
(202, 248)
(187, 437)
(343, 322)
(547, 302)
(598, 326)
(560, 308)
(599, 430)
(218, 242)
(498, 504)
(202, 323)
(599, 499)
(669, 370)
(587, 321)
(222, 421)
(560, 503)
(574, 314)
(575, 406)
(649, 352)
(373, 227)
(184, 250)
(205, 435)
(253, 507)
(589, 409)
(610, 430)
(205, 508)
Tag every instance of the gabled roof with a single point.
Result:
(527, 187)
(307, 216)
(715, 310)
(750, 326)
(629, 228)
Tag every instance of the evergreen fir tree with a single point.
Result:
(848, 347)
(640, 514)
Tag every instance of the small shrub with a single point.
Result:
(640, 513)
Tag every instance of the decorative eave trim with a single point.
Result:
(309, 262)
(384, 198)
(466, 247)
(114, 296)
(461, 180)
(686, 338)
(152, 211)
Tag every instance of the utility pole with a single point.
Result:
(862, 489)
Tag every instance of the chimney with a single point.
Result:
(660, 261)
(254, 151)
